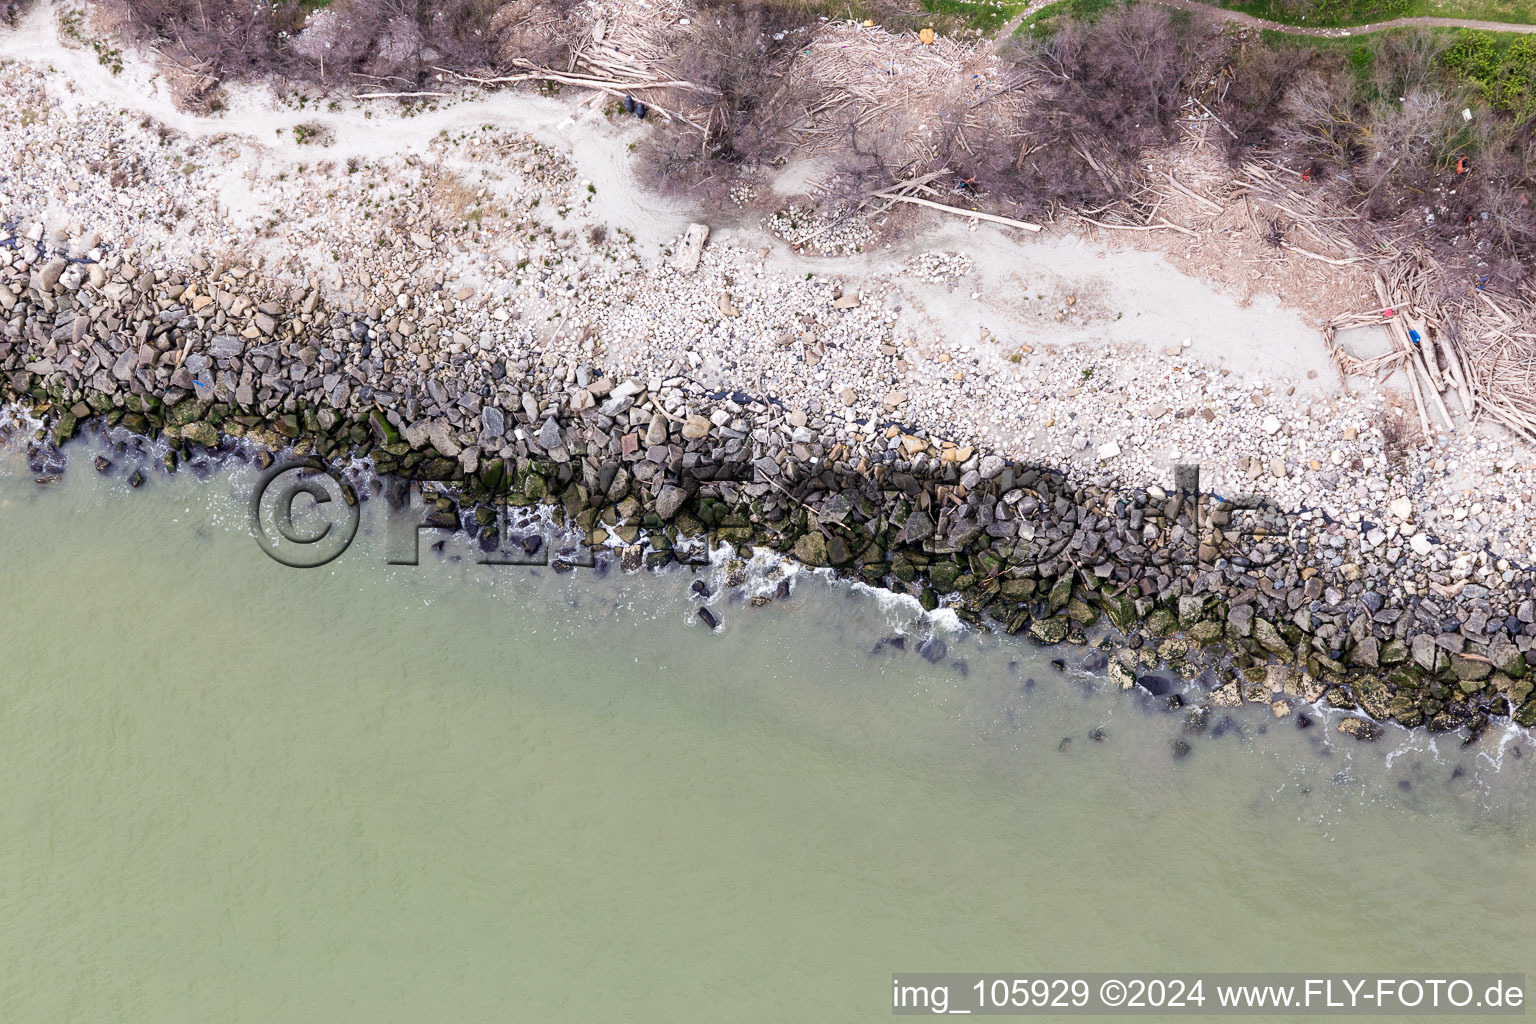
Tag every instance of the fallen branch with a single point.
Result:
(1163, 223)
(1351, 261)
(1211, 205)
(989, 217)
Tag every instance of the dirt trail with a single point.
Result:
(1238, 17)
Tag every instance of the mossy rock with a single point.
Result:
(187, 410)
(1206, 632)
(1050, 631)
(201, 432)
(1525, 714)
(66, 426)
(1082, 613)
(1019, 589)
(1373, 696)
(1394, 652)
(1162, 622)
(811, 548)
(1470, 669)
(1405, 709)
(943, 575)
(1061, 593)
(1269, 638)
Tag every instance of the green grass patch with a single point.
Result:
(1501, 66)
(1047, 19)
(946, 17)
(981, 15)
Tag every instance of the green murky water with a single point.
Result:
(239, 792)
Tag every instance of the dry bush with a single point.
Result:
(1259, 77)
(537, 31)
(398, 42)
(224, 38)
(401, 41)
(738, 57)
(1106, 93)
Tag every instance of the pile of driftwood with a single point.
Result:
(893, 93)
(925, 191)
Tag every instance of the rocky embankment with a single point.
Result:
(1256, 604)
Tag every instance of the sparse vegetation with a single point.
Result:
(1427, 137)
(398, 42)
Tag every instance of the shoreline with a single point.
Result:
(1001, 542)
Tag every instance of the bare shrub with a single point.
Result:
(400, 42)
(737, 56)
(223, 38)
(1259, 77)
(1107, 92)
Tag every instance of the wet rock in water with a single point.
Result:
(1174, 702)
(137, 479)
(933, 650)
(1225, 725)
(709, 618)
(531, 543)
(895, 643)
(1197, 720)
(1156, 685)
(1303, 721)
(1181, 749)
(782, 591)
(1404, 785)
(962, 666)
(1098, 735)
(103, 464)
(632, 559)
(1059, 664)
(1360, 728)
(1457, 772)
(1096, 661)
(700, 588)
(1065, 744)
